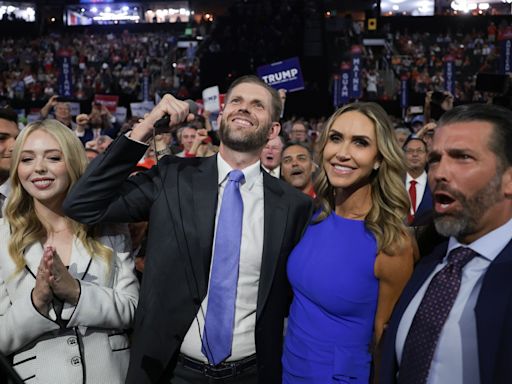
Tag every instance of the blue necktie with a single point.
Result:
(220, 315)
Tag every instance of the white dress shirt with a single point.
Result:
(276, 172)
(5, 188)
(251, 250)
(455, 359)
(421, 184)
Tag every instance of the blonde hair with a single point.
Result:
(390, 202)
(26, 228)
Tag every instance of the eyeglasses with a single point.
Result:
(419, 151)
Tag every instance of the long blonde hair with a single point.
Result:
(26, 228)
(390, 202)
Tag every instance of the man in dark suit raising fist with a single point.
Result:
(204, 214)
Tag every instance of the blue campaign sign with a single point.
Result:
(506, 56)
(449, 74)
(404, 92)
(65, 81)
(284, 74)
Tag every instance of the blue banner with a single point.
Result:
(506, 56)
(65, 80)
(345, 84)
(404, 92)
(336, 91)
(449, 76)
(284, 74)
(355, 81)
(145, 88)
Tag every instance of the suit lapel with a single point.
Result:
(205, 191)
(490, 311)
(426, 202)
(275, 213)
(33, 255)
(421, 272)
(78, 263)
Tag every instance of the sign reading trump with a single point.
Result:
(284, 74)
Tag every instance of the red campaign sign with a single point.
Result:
(506, 33)
(346, 66)
(200, 105)
(221, 99)
(356, 50)
(64, 53)
(109, 101)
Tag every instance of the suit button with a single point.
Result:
(75, 360)
(72, 340)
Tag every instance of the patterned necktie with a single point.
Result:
(430, 317)
(220, 315)
(412, 196)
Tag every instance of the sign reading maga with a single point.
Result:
(284, 74)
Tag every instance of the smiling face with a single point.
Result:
(42, 171)
(245, 123)
(468, 184)
(350, 153)
(297, 167)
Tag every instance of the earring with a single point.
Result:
(376, 166)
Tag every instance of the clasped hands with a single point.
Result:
(53, 280)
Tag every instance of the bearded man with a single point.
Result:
(195, 320)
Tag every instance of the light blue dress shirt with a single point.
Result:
(455, 359)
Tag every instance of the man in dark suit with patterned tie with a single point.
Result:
(453, 322)
(188, 294)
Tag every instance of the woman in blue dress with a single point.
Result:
(355, 258)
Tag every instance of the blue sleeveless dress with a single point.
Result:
(330, 327)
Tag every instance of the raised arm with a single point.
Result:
(104, 192)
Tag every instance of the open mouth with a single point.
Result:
(443, 201)
(296, 172)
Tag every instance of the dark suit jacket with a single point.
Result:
(493, 312)
(424, 212)
(180, 200)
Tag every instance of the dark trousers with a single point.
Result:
(184, 375)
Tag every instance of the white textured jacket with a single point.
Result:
(93, 346)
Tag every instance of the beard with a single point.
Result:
(243, 141)
(465, 221)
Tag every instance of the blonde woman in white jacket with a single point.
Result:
(68, 292)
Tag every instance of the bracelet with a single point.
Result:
(161, 152)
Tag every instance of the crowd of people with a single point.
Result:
(371, 234)
(253, 248)
(108, 63)
(421, 56)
